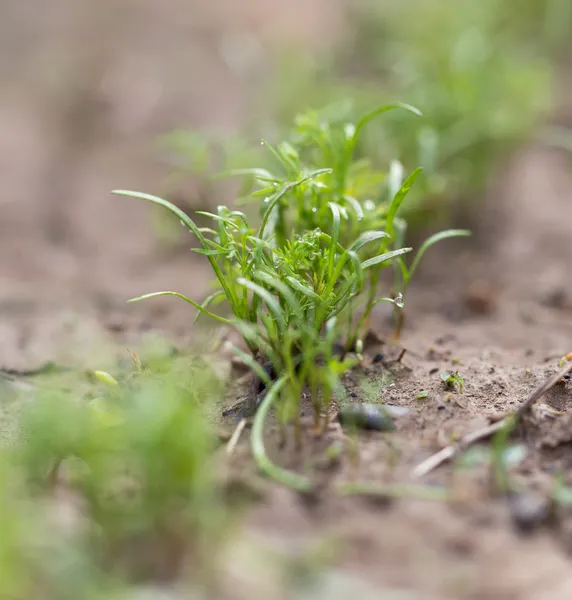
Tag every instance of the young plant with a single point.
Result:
(283, 295)
(329, 226)
(367, 200)
(320, 140)
(234, 250)
(452, 380)
(144, 475)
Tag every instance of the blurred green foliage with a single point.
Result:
(102, 490)
(481, 73)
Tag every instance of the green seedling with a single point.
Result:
(502, 457)
(141, 456)
(296, 281)
(322, 140)
(452, 380)
(282, 296)
(422, 395)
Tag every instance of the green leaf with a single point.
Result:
(106, 377)
(395, 178)
(182, 297)
(224, 220)
(283, 158)
(288, 478)
(189, 223)
(378, 111)
(357, 208)
(303, 289)
(251, 334)
(268, 299)
(252, 364)
(381, 258)
(260, 174)
(335, 234)
(219, 295)
(282, 289)
(442, 235)
(368, 237)
(209, 252)
(399, 197)
(281, 193)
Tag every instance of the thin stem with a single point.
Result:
(287, 478)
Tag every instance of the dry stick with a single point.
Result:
(235, 437)
(449, 452)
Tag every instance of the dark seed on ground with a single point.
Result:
(378, 358)
(366, 416)
(529, 511)
(441, 407)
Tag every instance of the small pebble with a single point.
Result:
(528, 511)
(366, 416)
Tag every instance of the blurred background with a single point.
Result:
(159, 96)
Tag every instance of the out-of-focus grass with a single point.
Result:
(128, 468)
(481, 73)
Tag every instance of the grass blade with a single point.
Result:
(182, 297)
(280, 194)
(381, 258)
(378, 111)
(282, 289)
(189, 223)
(397, 200)
(335, 234)
(268, 299)
(252, 364)
(207, 301)
(366, 238)
(287, 478)
(303, 289)
(437, 237)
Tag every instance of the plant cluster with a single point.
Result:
(308, 274)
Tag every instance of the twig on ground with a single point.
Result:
(235, 437)
(542, 389)
(449, 452)
(452, 450)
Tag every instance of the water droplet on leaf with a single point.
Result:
(399, 300)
